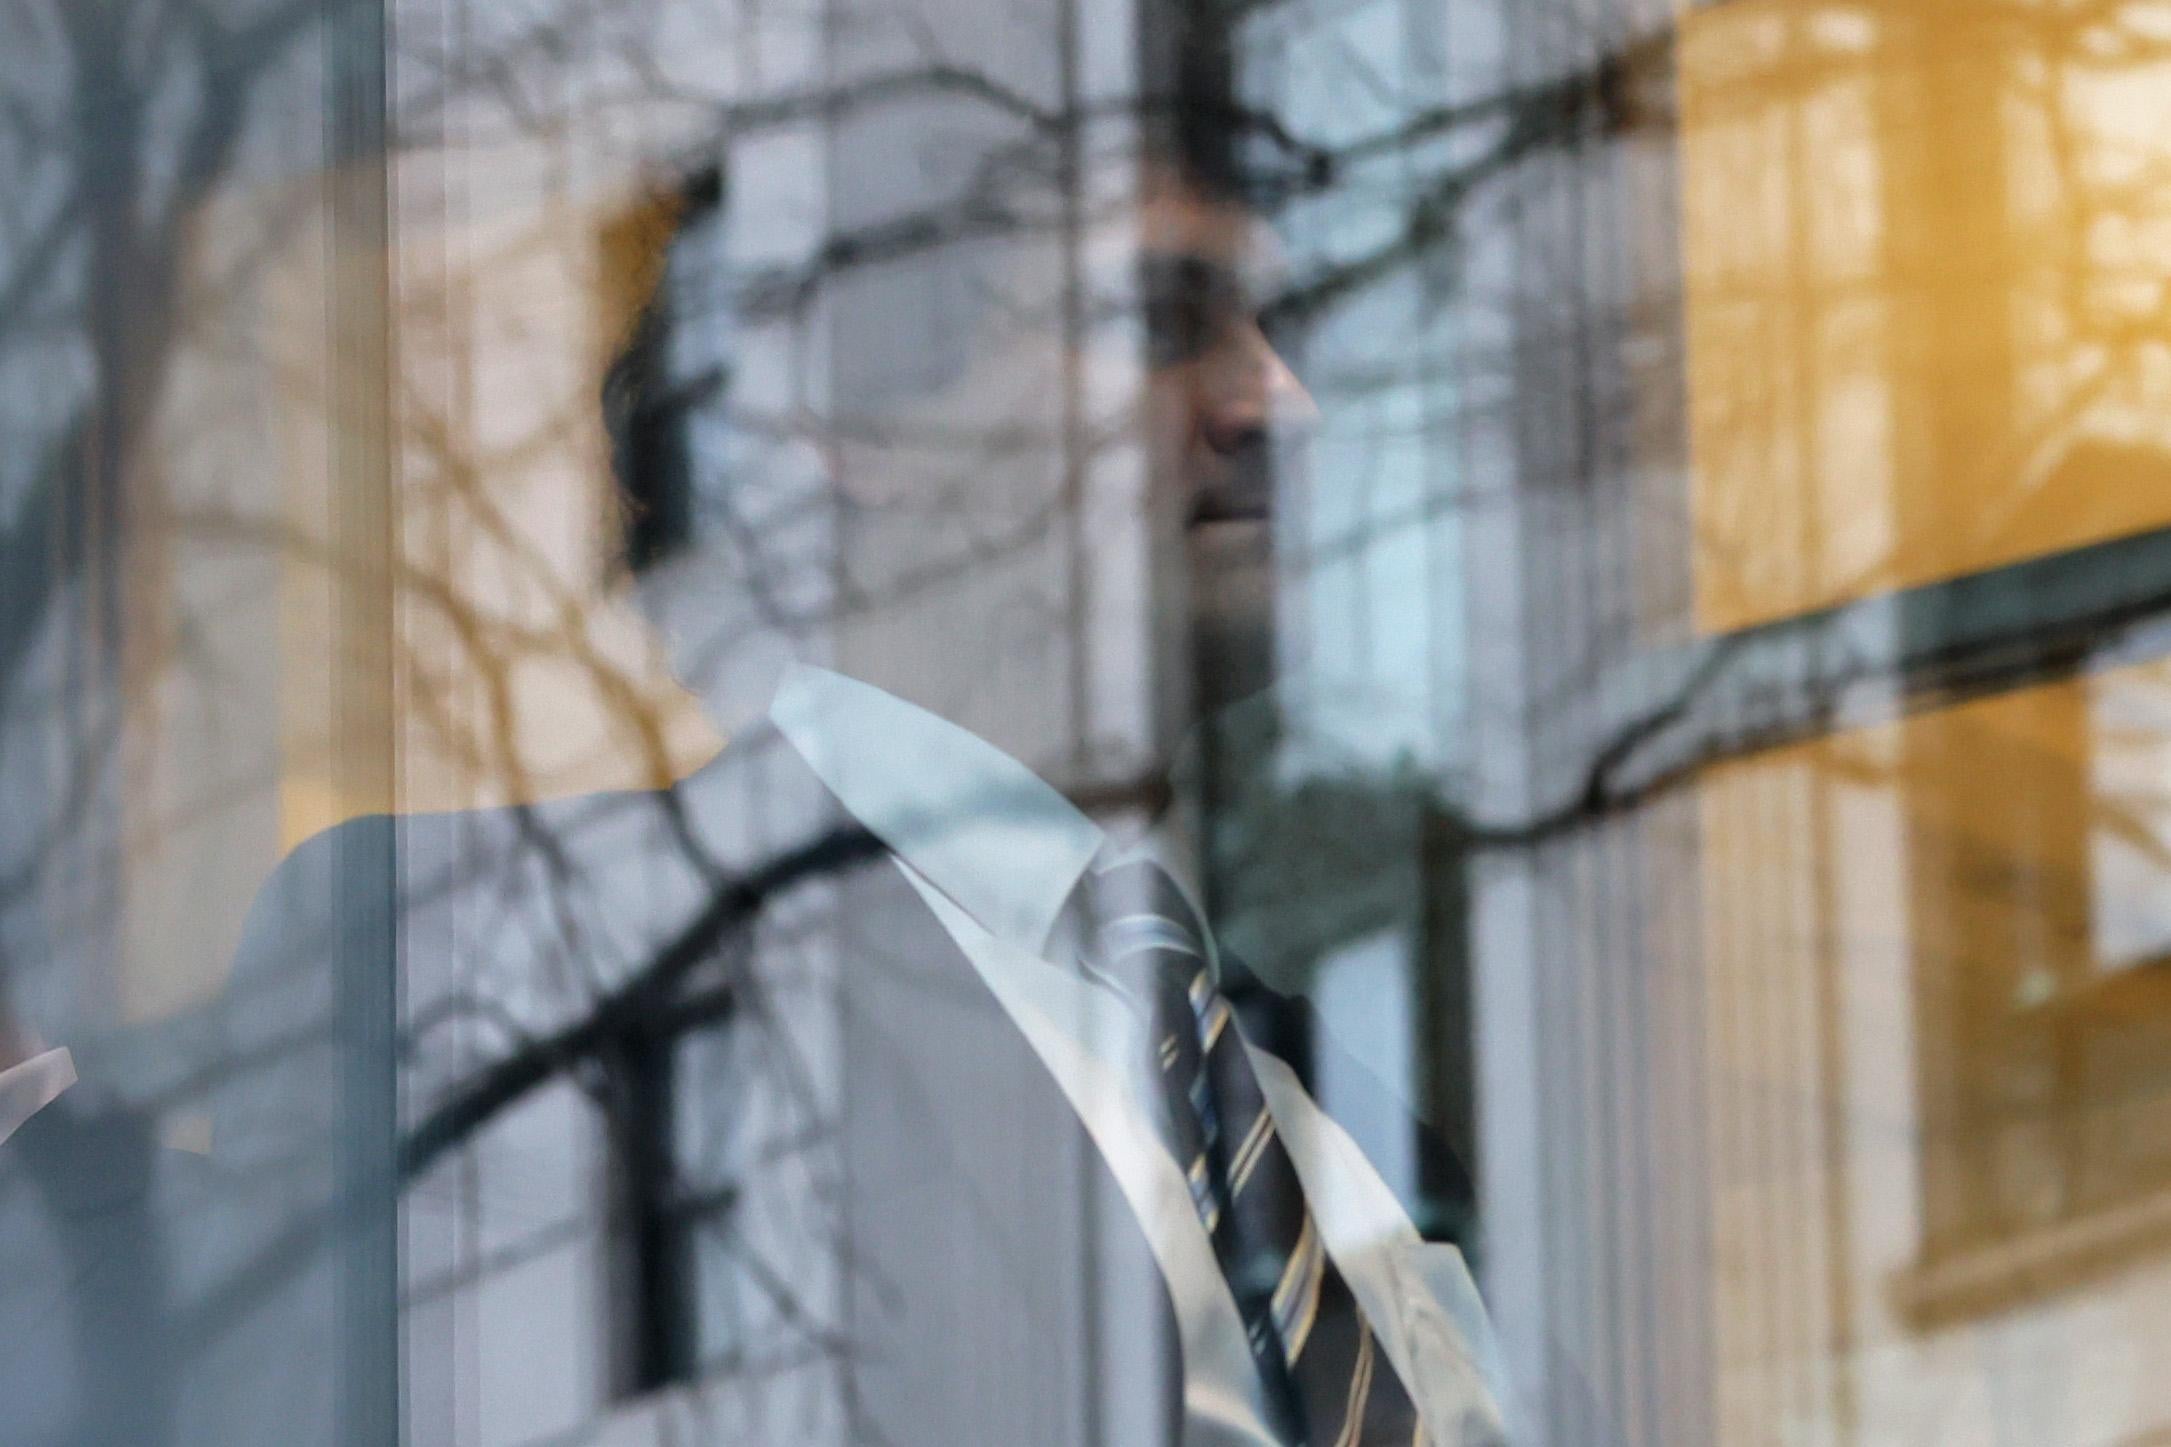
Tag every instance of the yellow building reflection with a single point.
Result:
(1926, 253)
(1939, 963)
(1926, 249)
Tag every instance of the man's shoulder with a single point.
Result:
(755, 801)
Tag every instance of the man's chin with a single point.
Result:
(1231, 603)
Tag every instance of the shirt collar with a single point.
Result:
(28, 1088)
(978, 825)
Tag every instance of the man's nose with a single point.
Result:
(1260, 393)
(1289, 401)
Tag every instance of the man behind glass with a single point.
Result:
(1068, 1198)
(1024, 886)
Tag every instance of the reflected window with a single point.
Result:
(2037, 838)
(1925, 308)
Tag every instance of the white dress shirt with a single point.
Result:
(30, 1087)
(997, 853)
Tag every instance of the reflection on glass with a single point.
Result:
(1924, 253)
(1331, 450)
(1940, 1013)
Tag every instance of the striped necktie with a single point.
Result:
(1326, 1379)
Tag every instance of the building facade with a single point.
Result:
(1694, 729)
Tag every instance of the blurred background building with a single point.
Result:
(1700, 731)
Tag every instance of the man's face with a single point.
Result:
(1221, 402)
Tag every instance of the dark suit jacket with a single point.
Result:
(87, 1358)
(955, 1251)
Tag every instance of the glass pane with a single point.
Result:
(1923, 269)
(1938, 1015)
(196, 1208)
(1083, 722)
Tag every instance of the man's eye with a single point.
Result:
(1190, 305)
(1180, 329)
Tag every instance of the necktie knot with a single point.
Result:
(1141, 906)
